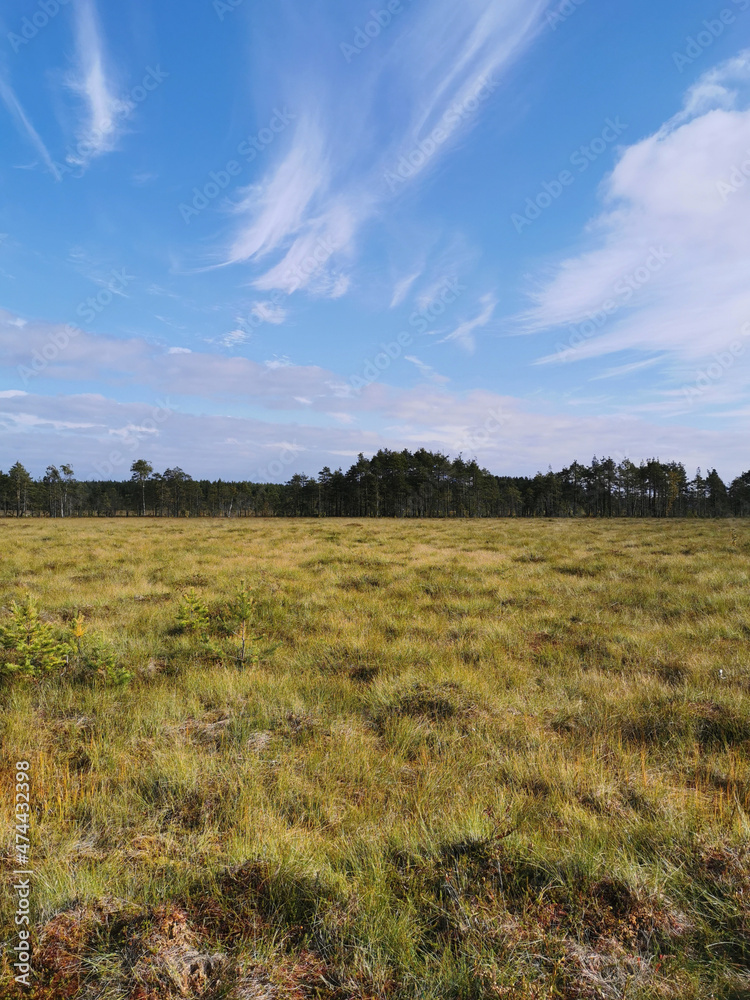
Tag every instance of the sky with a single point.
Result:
(255, 237)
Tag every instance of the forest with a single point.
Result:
(390, 484)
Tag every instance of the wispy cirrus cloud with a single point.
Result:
(427, 372)
(25, 127)
(680, 198)
(464, 332)
(92, 81)
(403, 287)
(622, 370)
(279, 205)
(270, 312)
(331, 182)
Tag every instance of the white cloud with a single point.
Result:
(233, 338)
(269, 312)
(402, 288)
(142, 430)
(621, 370)
(715, 88)
(277, 207)
(24, 422)
(169, 322)
(427, 371)
(88, 357)
(331, 181)
(314, 243)
(506, 435)
(105, 112)
(464, 332)
(669, 257)
(25, 127)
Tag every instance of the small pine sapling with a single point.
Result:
(30, 646)
(94, 657)
(193, 616)
(241, 612)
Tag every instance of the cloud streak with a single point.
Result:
(105, 113)
(464, 332)
(25, 127)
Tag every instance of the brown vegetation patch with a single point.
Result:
(142, 953)
(211, 731)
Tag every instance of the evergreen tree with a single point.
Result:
(140, 471)
(20, 482)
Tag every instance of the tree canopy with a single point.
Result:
(390, 484)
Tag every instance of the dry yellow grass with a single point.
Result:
(473, 759)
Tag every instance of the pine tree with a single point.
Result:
(20, 482)
(30, 645)
(140, 471)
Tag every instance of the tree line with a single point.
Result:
(390, 484)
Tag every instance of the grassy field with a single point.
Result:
(460, 759)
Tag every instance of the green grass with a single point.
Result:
(473, 759)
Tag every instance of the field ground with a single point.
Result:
(472, 759)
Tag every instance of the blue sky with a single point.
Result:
(255, 237)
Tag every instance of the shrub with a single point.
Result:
(193, 616)
(95, 659)
(30, 647)
(33, 648)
